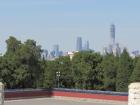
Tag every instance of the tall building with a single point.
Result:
(79, 44)
(110, 48)
(112, 34)
(86, 46)
(113, 46)
(56, 50)
(45, 54)
(116, 49)
(105, 50)
(135, 53)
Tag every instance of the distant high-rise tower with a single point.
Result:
(113, 47)
(112, 34)
(79, 44)
(86, 46)
(56, 50)
(45, 54)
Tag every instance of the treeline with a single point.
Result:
(22, 66)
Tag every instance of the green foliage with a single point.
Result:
(50, 74)
(109, 65)
(23, 67)
(12, 44)
(84, 70)
(135, 77)
(64, 67)
(20, 66)
(124, 71)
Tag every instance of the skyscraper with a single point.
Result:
(112, 34)
(113, 46)
(45, 54)
(79, 44)
(86, 46)
(56, 50)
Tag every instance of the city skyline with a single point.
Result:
(44, 20)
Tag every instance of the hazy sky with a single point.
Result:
(52, 22)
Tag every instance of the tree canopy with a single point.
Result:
(22, 66)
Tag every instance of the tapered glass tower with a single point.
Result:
(112, 34)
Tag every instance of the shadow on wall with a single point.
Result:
(27, 93)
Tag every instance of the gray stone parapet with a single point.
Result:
(134, 94)
(1, 93)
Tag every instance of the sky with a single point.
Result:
(51, 22)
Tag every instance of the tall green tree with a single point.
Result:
(84, 69)
(50, 80)
(7, 67)
(64, 67)
(9, 62)
(29, 55)
(110, 71)
(135, 77)
(12, 44)
(124, 72)
(20, 65)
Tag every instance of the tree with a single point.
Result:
(20, 66)
(64, 67)
(12, 44)
(110, 71)
(80, 70)
(50, 74)
(135, 77)
(21, 77)
(6, 69)
(86, 74)
(9, 62)
(29, 55)
(124, 71)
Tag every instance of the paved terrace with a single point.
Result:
(62, 101)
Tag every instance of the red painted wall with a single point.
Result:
(32, 94)
(91, 96)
